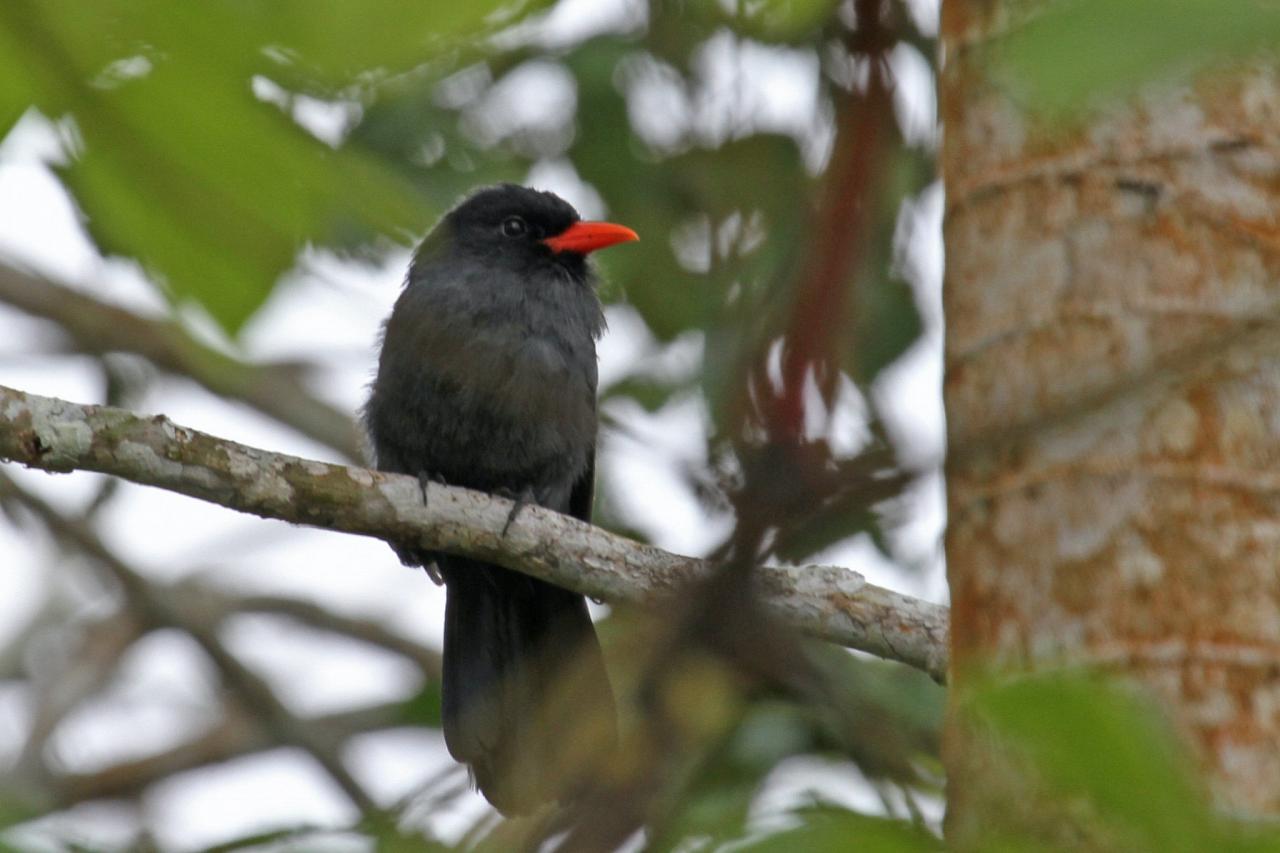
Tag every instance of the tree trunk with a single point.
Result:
(1113, 396)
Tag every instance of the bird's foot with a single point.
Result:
(409, 555)
(424, 482)
(521, 500)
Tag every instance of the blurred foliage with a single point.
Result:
(424, 709)
(829, 828)
(1112, 751)
(178, 159)
(1081, 53)
(885, 717)
(768, 20)
(216, 141)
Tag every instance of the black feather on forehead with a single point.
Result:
(474, 229)
(491, 205)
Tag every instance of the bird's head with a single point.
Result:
(522, 230)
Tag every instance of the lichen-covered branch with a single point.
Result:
(828, 602)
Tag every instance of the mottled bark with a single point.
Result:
(828, 602)
(1113, 397)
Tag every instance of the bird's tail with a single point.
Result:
(527, 703)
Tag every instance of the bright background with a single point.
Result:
(326, 312)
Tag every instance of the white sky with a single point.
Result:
(330, 313)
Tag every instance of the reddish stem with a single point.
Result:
(840, 228)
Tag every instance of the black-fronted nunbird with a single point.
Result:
(487, 379)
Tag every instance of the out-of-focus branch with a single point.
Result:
(101, 645)
(149, 604)
(315, 616)
(90, 666)
(96, 327)
(235, 735)
(824, 601)
(52, 611)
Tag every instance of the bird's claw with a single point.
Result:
(521, 499)
(424, 482)
(409, 558)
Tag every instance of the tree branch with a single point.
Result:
(828, 602)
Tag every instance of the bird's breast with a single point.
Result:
(488, 388)
(488, 407)
(532, 376)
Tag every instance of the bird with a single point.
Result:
(486, 378)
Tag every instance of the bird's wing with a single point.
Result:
(584, 490)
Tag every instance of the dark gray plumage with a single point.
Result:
(487, 379)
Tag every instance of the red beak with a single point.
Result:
(584, 237)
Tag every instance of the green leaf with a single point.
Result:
(1090, 738)
(338, 39)
(765, 20)
(421, 141)
(885, 716)
(782, 20)
(1082, 51)
(181, 166)
(887, 322)
(824, 526)
(884, 315)
(649, 392)
(838, 830)
(717, 799)
(424, 708)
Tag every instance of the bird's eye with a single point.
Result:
(514, 226)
